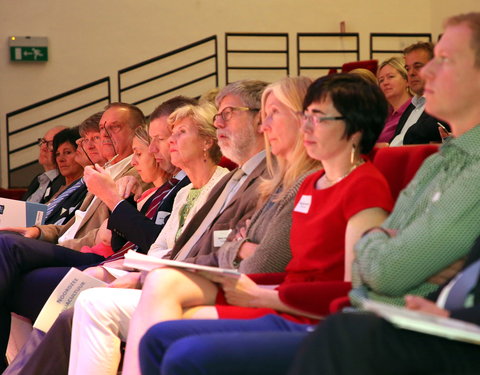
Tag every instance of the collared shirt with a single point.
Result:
(248, 167)
(419, 103)
(392, 121)
(436, 219)
(44, 181)
(114, 171)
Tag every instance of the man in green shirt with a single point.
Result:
(435, 220)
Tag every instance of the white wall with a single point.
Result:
(90, 39)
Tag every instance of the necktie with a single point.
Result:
(462, 286)
(155, 202)
(216, 209)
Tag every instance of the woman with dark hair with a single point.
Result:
(342, 118)
(69, 162)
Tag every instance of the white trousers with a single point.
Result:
(100, 322)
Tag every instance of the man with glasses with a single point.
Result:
(46, 184)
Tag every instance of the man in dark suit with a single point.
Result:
(415, 125)
(46, 184)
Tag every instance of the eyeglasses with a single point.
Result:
(43, 141)
(86, 141)
(316, 120)
(111, 129)
(227, 112)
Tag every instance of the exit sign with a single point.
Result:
(28, 48)
(28, 53)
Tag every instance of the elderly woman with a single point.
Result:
(392, 79)
(333, 207)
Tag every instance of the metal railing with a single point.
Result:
(324, 51)
(263, 55)
(394, 43)
(67, 108)
(183, 68)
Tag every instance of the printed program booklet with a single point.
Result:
(147, 263)
(429, 324)
(64, 296)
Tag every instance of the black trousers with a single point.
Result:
(18, 257)
(363, 344)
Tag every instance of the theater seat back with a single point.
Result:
(399, 164)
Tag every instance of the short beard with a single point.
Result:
(240, 145)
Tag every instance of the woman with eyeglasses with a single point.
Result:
(342, 118)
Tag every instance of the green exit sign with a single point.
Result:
(28, 53)
(28, 48)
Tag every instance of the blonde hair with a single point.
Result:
(290, 91)
(142, 134)
(397, 63)
(366, 74)
(202, 116)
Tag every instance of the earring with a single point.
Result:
(352, 154)
(204, 155)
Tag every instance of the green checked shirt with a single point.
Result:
(437, 217)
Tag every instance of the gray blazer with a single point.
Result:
(270, 230)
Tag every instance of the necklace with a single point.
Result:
(352, 168)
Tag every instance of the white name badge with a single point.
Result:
(220, 236)
(161, 216)
(303, 204)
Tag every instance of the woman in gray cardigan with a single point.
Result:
(264, 246)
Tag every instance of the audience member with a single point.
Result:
(43, 186)
(65, 151)
(359, 199)
(393, 81)
(415, 125)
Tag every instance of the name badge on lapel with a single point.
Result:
(220, 236)
(303, 205)
(161, 216)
